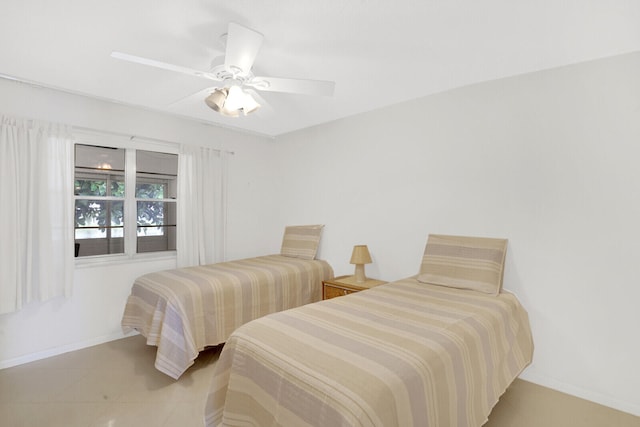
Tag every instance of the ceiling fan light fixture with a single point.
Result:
(216, 99)
(250, 104)
(235, 98)
(230, 101)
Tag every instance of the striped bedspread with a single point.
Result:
(184, 310)
(401, 354)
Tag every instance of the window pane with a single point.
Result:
(90, 157)
(154, 163)
(99, 184)
(117, 186)
(90, 187)
(166, 241)
(152, 189)
(88, 247)
(156, 175)
(99, 218)
(156, 226)
(153, 215)
(99, 227)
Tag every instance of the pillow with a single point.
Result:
(301, 241)
(475, 263)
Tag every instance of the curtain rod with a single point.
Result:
(143, 138)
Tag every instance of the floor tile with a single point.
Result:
(125, 414)
(185, 415)
(50, 414)
(36, 385)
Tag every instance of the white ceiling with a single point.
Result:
(379, 52)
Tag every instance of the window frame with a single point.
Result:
(130, 145)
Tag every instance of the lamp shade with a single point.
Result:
(235, 99)
(217, 102)
(360, 255)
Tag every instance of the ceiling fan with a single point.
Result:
(233, 95)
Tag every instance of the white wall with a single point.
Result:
(92, 315)
(548, 160)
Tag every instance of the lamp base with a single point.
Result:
(360, 277)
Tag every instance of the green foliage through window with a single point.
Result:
(151, 191)
(96, 187)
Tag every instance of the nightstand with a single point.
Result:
(345, 285)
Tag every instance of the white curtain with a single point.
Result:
(202, 182)
(36, 217)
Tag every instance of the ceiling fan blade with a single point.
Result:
(193, 98)
(304, 87)
(163, 65)
(243, 45)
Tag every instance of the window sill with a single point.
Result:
(102, 260)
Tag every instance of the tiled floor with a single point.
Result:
(116, 385)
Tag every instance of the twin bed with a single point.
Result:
(436, 349)
(184, 310)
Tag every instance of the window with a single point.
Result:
(106, 209)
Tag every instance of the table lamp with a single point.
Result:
(360, 257)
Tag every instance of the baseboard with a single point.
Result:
(32, 357)
(624, 406)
